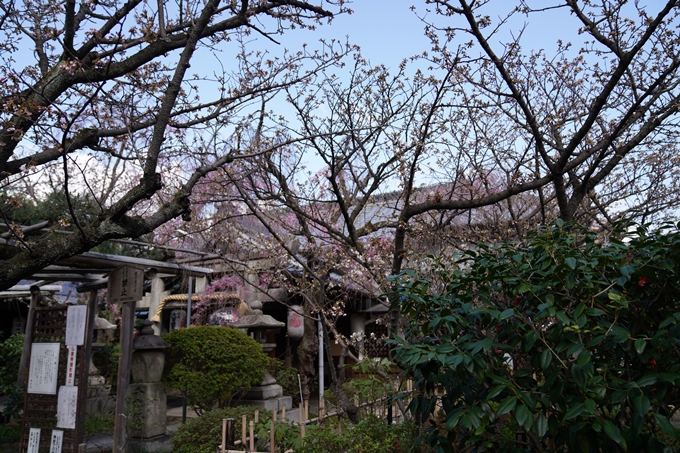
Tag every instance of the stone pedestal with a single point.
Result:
(147, 403)
(99, 401)
(268, 394)
(147, 408)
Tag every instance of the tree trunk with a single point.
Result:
(307, 352)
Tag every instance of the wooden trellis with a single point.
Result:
(40, 410)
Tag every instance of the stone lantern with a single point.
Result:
(268, 393)
(148, 403)
(99, 401)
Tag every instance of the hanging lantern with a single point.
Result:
(296, 322)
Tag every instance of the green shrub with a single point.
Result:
(370, 435)
(98, 424)
(204, 433)
(106, 359)
(10, 356)
(10, 434)
(212, 364)
(287, 378)
(323, 439)
(564, 335)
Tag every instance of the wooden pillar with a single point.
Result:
(120, 443)
(28, 338)
(87, 351)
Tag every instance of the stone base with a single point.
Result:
(148, 408)
(264, 392)
(160, 444)
(99, 400)
(268, 404)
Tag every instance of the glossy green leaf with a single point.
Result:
(641, 404)
(574, 411)
(507, 405)
(578, 376)
(505, 314)
(495, 391)
(646, 380)
(546, 358)
(666, 426)
(613, 432)
(523, 288)
(640, 345)
(530, 340)
(521, 414)
(541, 425)
(618, 396)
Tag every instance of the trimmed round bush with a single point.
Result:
(212, 364)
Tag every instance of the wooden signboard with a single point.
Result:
(126, 285)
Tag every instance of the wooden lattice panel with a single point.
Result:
(375, 343)
(40, 411)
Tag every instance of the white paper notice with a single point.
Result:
(76, 318)
(42, 374)
(57, 440)
(66, 407)
(33, 440)
(71, 365)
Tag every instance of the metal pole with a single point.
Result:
(321, 377)
(187, 323)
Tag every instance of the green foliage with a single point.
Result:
(54, 208)
(10, 434)
(322, 439)
(212, 364)
(106, 359)
(10, 356)
(370, 435)
(564, 335)
(22, 210)
(98, 424)
(375, 385)
(286, 377)
(203, 434)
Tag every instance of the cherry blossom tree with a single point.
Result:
(480, 137)
(98, 99)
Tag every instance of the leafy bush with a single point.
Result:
(575, 340)
(203, 434)
(370, 435)
(10, 356)
(287, 378)
(374, 387)
(10, 434)
(106, 359)
(212, 364)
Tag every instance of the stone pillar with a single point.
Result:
(147, 406)
(155, 297)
